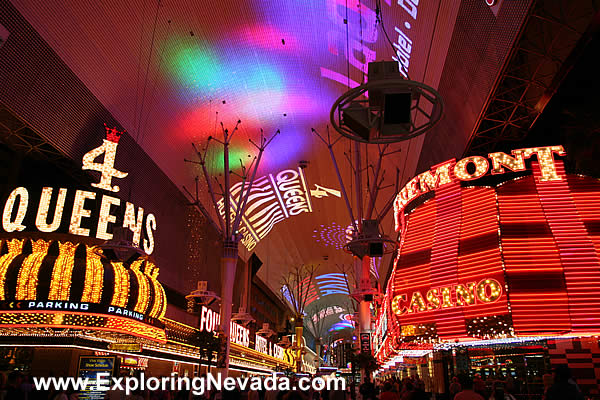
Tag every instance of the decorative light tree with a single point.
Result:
(387, 109)
(315, 325)
(295, 289)
(227, 222)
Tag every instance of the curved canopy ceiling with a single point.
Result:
(172, 71)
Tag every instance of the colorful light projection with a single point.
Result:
(321, 286)
(240, 84)
(326, 312)
(332, 283)
(283, 66)
(333, 235)
(345, 323)
(272, 199)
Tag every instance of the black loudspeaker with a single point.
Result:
(356, 118)
(375, 249)
(397, 108)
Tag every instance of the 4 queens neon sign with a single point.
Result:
(82, 215)
(452, 171)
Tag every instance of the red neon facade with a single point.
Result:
(536, 243)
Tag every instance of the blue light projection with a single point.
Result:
(333, 283)
(341, 326)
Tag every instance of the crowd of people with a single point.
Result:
(559, 386)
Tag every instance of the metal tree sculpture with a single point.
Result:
(315, 326)
(295, 289)
(228, 221)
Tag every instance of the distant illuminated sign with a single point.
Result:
(365, 343)
(272, 199)
(18, 203)
(262, 345)
(210, 321)
(89, 367)
(452, 170)
(126, 347)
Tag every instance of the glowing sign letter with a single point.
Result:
(438, 175)
(500, 160)
(465, 295)
(545, 156)
(150, 227)
(321, 191)
(481, 168)
(433, 297)
(41, 220)
(135, 226)
(494, 293)
(16, 225)
(107, 168)
(417, 303)
(396, 307)
(79, 213)
(106, 217)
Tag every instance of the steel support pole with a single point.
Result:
(228, 269)
(299, 333)
(364, 307)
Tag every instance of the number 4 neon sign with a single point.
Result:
(107, 167)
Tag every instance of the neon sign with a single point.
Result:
(262, 345)
(18, 203)
(461, 295)
(71, 306)
(210, 321)
(452, 170)
(272, 199)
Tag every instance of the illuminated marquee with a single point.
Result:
(517, 256)
(18, 204)
(262, 345)
(71, 306)
(452, 170)
(210, 322)
(272, 199)
(460, 295)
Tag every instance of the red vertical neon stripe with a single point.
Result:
(444, 256)
(533, 270)
(578, 256)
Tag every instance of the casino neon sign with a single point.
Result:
(475, 167)
(485, 291)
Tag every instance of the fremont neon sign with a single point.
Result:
(460, 295)
(452, 171)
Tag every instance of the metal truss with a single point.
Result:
(539, 61)
(23, 140)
